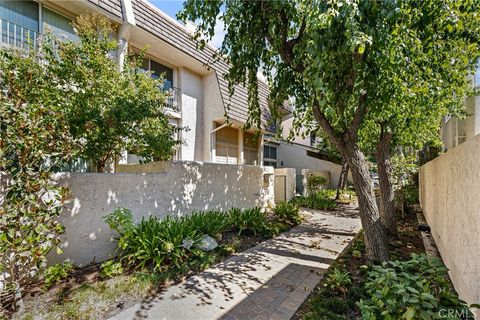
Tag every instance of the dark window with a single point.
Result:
(269, 152)
(161, 70)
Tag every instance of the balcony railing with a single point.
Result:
(172, 99)
(16, 35)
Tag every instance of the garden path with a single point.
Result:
(269, 281)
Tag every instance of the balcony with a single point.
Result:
(172, 99)
(18, 36)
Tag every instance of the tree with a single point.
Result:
(110, 108)
(34, 139)
(332, 56)
(428, 80)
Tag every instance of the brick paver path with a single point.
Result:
(269, 281)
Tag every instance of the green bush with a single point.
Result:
(249, 221)
(315, 183)
(154, 243)
(320, 201)
(338, 281)
(208, 222)
(287, 212)
(111, 268)
(55, 273)
(413, 289)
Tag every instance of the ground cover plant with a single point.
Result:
(409, 286)
(152, 254)
(321, 200)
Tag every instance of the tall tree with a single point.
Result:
(334, 57)
(424, 90)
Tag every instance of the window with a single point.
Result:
(19, 22)
(158, 70)
(59, 25)
(270, 156)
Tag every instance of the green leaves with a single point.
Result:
(414, 289)
(109, 108)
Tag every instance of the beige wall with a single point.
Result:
(172, 188)
(295, 156)
(450, 198)
(290, 183)
(192, 115)
(456, 131)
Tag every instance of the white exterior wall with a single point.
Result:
(295, 156)
(192, 115)
(455, 131)
(449, 196)
(176, 189)
(287, 126)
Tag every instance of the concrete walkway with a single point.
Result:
(269, 281)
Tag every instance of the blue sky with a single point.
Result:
(171, 7)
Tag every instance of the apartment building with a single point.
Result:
(455, 131)
(197, 91)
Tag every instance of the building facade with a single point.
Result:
(455, 131)
(197, 92)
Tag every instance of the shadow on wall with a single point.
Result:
(159, 189)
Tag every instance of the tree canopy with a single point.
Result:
(346, 62)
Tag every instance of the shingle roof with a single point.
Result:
(155, 22)
(112, 6)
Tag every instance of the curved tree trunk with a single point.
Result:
(387, 193)
(346, 143)
(375, 237)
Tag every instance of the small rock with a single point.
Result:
(208, 244)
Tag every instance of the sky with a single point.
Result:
(171, 7)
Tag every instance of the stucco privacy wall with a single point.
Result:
(449, 196)
(174, 188)
(295, 156)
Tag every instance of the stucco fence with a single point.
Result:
(159, 189)
(450, 199)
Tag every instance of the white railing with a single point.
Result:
(16, 35)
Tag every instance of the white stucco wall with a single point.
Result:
(449, 196)
(191, 85)
(295, 156)
(458, 130)
(175, 189)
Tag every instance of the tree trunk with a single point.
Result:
(387, 193)
(342, 179)
(345, 181)
(375, 237)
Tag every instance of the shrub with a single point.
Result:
(316, 201)
(55, 273)
(208, 222)
(287, 212)
(413, 289)
(154, 243)
(315, 183)
(338, 281)
(111, 268)
(249, 220)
